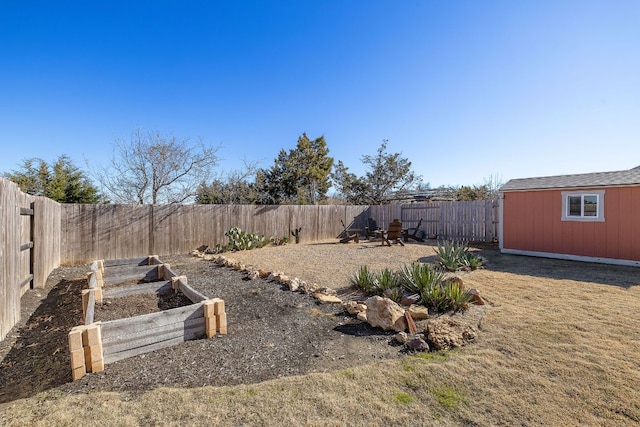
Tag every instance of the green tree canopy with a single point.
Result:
(299, 176)
(387, 176)
(62, 181)
(236, 188)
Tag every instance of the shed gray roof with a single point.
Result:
(583, 180)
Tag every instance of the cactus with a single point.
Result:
(296, 234)
(242, 241)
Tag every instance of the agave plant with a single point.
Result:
(437, 292)
(418, 276)
(450, 254)
(363, 279)
(471, 261)
(385, 280)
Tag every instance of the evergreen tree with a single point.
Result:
(386, 177)
(62, 182)
(299, 176)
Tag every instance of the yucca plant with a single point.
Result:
(437, 292)
(471, 261)
(386, 279)
(394, 294)
(363, 279)
(418, 276)
(450, 254)
(387, 284)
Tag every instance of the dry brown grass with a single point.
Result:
(560, 345)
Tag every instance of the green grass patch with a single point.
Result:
(448, 397)
(403, 398)
(347, 373)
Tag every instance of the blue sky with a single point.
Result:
(465, 89)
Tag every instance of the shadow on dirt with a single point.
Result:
(39, 358)
(360, 329)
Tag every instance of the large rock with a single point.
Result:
(446, 333)
(386, 314)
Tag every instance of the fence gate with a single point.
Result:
(26, 233)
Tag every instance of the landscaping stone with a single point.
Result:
(446, 332)
(409, 299)
(475, 297)
(386, 314)
(418, 312)
(294, 284)
(327, 299)
(417, 344)
(401, 337)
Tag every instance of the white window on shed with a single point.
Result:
(583, 205)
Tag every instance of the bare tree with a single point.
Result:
(154, 168)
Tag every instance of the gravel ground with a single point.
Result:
(272, 332)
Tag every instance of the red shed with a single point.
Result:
(587, 217)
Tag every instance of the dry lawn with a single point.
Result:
(560, 345)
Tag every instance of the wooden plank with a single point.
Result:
(151, 320)
(167, 272)
(125, 274)
(26, 211)
(90, 307)
(137, 261)
(26, 281)
(191, 293)
(148, 348)
(137, 289)
(25, 246)
(189, 329)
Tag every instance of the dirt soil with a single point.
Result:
(272, 333)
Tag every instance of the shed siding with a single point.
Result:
(532, 222)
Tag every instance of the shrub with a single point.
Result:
(437, 292)
(385, 283)
(471, 261)
(454, 255)
(279, 241)
(363, 279)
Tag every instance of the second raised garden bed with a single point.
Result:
(97, 343)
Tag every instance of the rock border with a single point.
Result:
(416, 330)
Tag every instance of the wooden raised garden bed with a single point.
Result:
(95, 343)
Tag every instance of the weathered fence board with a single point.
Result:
(472, 221)
(29, 247)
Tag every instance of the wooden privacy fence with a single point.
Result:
(475, 221)
(122, 231)
(29, 247)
